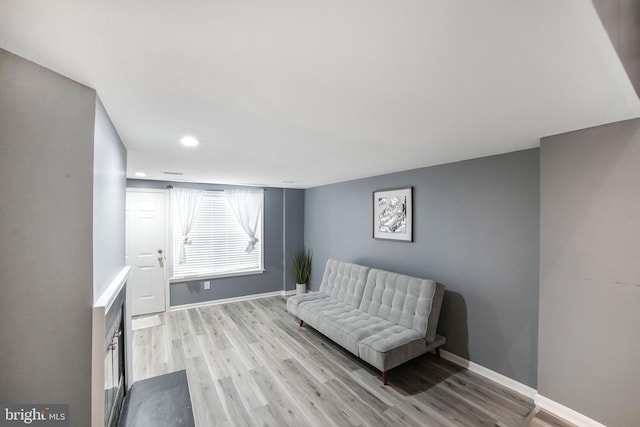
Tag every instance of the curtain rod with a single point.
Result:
(170, 187)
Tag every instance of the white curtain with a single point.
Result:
(246, 206)
(187, 201)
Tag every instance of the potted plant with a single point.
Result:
(302, 270)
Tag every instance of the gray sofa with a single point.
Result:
(384, 318)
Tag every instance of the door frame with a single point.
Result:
(168, 251)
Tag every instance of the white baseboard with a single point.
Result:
(545, 403)
(488, 373)
(565, 413)
(228, 300)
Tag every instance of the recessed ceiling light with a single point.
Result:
(189, 141)
(141, 174)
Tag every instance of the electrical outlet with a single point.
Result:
(207, 284)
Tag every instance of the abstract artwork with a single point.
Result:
(392, 214)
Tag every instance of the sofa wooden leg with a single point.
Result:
(438, 351)
(384, 377)
(301, 323)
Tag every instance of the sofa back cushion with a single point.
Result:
(344, 281)
(404, 300)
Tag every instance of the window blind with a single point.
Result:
(218, 242)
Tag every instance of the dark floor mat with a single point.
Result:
(162, 401)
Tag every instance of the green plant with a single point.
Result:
(302, 266)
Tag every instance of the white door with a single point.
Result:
(146, 249)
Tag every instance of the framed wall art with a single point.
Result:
(393, 214)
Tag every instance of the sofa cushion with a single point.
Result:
(344, 281)
(325, 314)
(403, 300)
(344, 324)
(391, 347)
(293, 302)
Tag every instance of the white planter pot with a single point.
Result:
(301, 288)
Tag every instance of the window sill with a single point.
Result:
(214, 276)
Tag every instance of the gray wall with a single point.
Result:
(621, 19)
(109, 197)
(590, 273)
(476, 231)
(274, 247)
(46, 295)
(293, 231)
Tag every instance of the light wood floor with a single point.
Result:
(250, 364)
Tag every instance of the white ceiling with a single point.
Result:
(299, 94)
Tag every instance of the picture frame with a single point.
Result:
(393, 214)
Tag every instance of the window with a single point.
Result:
(218, 242)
